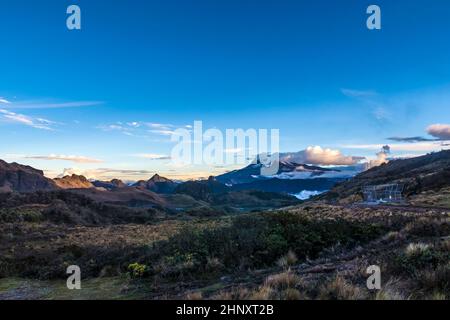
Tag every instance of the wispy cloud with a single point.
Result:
(352, 93)
(47, 104)
(37, 123)
(153, 156)
(160, 126)
(404, 147)
(372, 100)
(381, 113)
(440, 132)
(410, 139)
(162, 132)
(71, 158)
(108, 173)
(141, 128)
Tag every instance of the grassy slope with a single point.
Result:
(109, 288)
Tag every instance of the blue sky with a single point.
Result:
(309, 68)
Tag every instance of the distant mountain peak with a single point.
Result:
(158, 178)
(156, 184)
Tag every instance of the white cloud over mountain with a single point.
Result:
(319, 156)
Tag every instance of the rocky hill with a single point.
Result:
(430, 172)
(109, 185)
(73, 182)
(16, 177)
(157, 184)
(203, 189)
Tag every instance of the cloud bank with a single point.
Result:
(320, 156)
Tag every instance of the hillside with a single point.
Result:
(430, 172)
(16, 177)
(157, 184)
(207, 240)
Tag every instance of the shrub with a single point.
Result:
(419, 256)
(258, 240)
(435, 280)
(429, 228)
(137, 270)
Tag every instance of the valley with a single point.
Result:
(205, 239)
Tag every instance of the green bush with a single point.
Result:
(259, 240)
(137, 270)
(20, 215)
(414, 262)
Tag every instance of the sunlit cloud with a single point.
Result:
(71, 158)
(107, 173)
(440, 131)
(320, 156)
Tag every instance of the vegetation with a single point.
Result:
(311, 251)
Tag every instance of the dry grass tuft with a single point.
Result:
(263, 293)
(285, 280)
(416, 248)
(292, 294)
(287, 260)
(340, 289)
(194, 296)
(390, 291)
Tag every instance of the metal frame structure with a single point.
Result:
(383, 193)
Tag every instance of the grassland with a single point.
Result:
(312, 251)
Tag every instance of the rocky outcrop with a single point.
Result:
(20, 178)
(109, 185)
(73, 182)
(157, 184)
